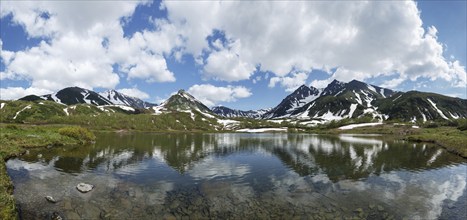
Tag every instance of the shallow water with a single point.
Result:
(259, 176)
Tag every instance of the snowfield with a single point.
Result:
(259, 130)
(352, 126)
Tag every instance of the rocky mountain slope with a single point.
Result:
(77, 95)
(233, 113)
(118, 98)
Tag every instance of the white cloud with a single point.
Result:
(211, 95)
(84, 41)
(225, 64)
(393, 83)
(361, 39)
(153, 68)
(11, 93)
(290, 83)
(134, 92)
(65, 17)
(321, 83)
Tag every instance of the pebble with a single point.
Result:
(84, 187)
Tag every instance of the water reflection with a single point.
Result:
(243, 176)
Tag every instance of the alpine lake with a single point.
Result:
(241, 176)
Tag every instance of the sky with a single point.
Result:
(240, 54)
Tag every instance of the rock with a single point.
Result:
(56, 216)
(372, 206)
(380, 208)
(51, 199)
(359, 210)
(84, 187)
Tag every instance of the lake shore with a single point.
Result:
(15, 139)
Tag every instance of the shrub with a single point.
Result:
(462, 125)
(78, 133)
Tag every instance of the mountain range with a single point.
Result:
(306, 104)
(77, 95)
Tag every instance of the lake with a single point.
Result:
(241, 176)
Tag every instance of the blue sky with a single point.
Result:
(244, 55)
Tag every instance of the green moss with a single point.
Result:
(78, 133)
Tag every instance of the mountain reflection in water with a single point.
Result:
(243, 176)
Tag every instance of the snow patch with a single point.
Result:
(66, 111)
(192, 115)
(329, 116)
(359, 100)
(259, 130)
(453, 116)
(352, 126)
(17, 113)
(382, 92)
(437, 109)
(370, 87)
(55, 98)
(126, 108)
(41, 103)
(207, 115)
(396, 98)
(352, 109)
(2, 105)
(158, 110)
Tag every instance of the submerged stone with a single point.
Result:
(51, 199)
(84, 187)
(56, 216)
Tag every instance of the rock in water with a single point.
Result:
(84, 187)
(56, 216)
(51, 199)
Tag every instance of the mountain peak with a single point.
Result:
(184, 101)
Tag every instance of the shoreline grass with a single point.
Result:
(15, 139)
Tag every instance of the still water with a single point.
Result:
(242, 176)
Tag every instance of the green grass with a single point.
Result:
(450, 138)
(15, 139)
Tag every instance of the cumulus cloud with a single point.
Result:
(211, 95)
(134, 92)
(82, 45)
(225, 64)
(83, 42)
(360, 39)
(290, 83)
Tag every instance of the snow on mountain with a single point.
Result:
(294, 101)
(76, 95)
(118, 98)
(233, 113)
(182, 101)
